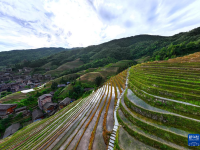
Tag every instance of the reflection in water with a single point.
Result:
(133, 98)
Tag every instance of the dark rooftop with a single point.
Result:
(37, 114)
(48, 104)
(20, 109)
(66, 101)
(3, 112)
(11, 129)
(88, 89)
(45, 95)
(61, 85)
(6, 106)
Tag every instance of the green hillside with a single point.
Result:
(17, 56)
(139, 48)
(157, 110)
(161, 105)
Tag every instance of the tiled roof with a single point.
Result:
(48, 104)
(6, 106)
(11, 129)
(45, 95)
(37, 114)
(66, 101)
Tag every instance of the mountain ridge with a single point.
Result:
(139, 48)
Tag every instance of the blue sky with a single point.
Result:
(26, 24)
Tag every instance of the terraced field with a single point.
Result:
(161, 105)
(150, 106)
(84, 124)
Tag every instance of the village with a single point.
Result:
(11, 82)
(43, 104)
(46, 107)
(14, 81)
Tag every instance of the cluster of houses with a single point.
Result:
(19, 81)
(46, 107)
(7, 109)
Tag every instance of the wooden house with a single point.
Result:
(22, 110)
(88, 89)
(61, 85)
(8, 69)
(47, 69)
(6, 109)
(49, 107)
(37, 115)
(65, 102)
(44, 99)
(27, 69)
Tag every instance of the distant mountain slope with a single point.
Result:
(116, 50)
(139, 48)
(133, 48)
(16, 56)
(65, 66)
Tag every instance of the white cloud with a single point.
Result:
(73, 23)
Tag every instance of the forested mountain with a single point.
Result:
(133, 48)
(138, 48)
(16, 56)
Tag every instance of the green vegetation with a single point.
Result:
(17, 56)
(75, 90)
(174, 80)
(29, 99)
(189, 110)
(54, 85)
(153, 130)
(98, 80)
(173, 51)
(116, 144)
(172, 120)
(142, 136)
(138, 48)
(164, 106)
(4, 93)
(4, 123)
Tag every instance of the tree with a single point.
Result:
(8, 89)
(62, 81)
(98, 80)
(54, 86)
